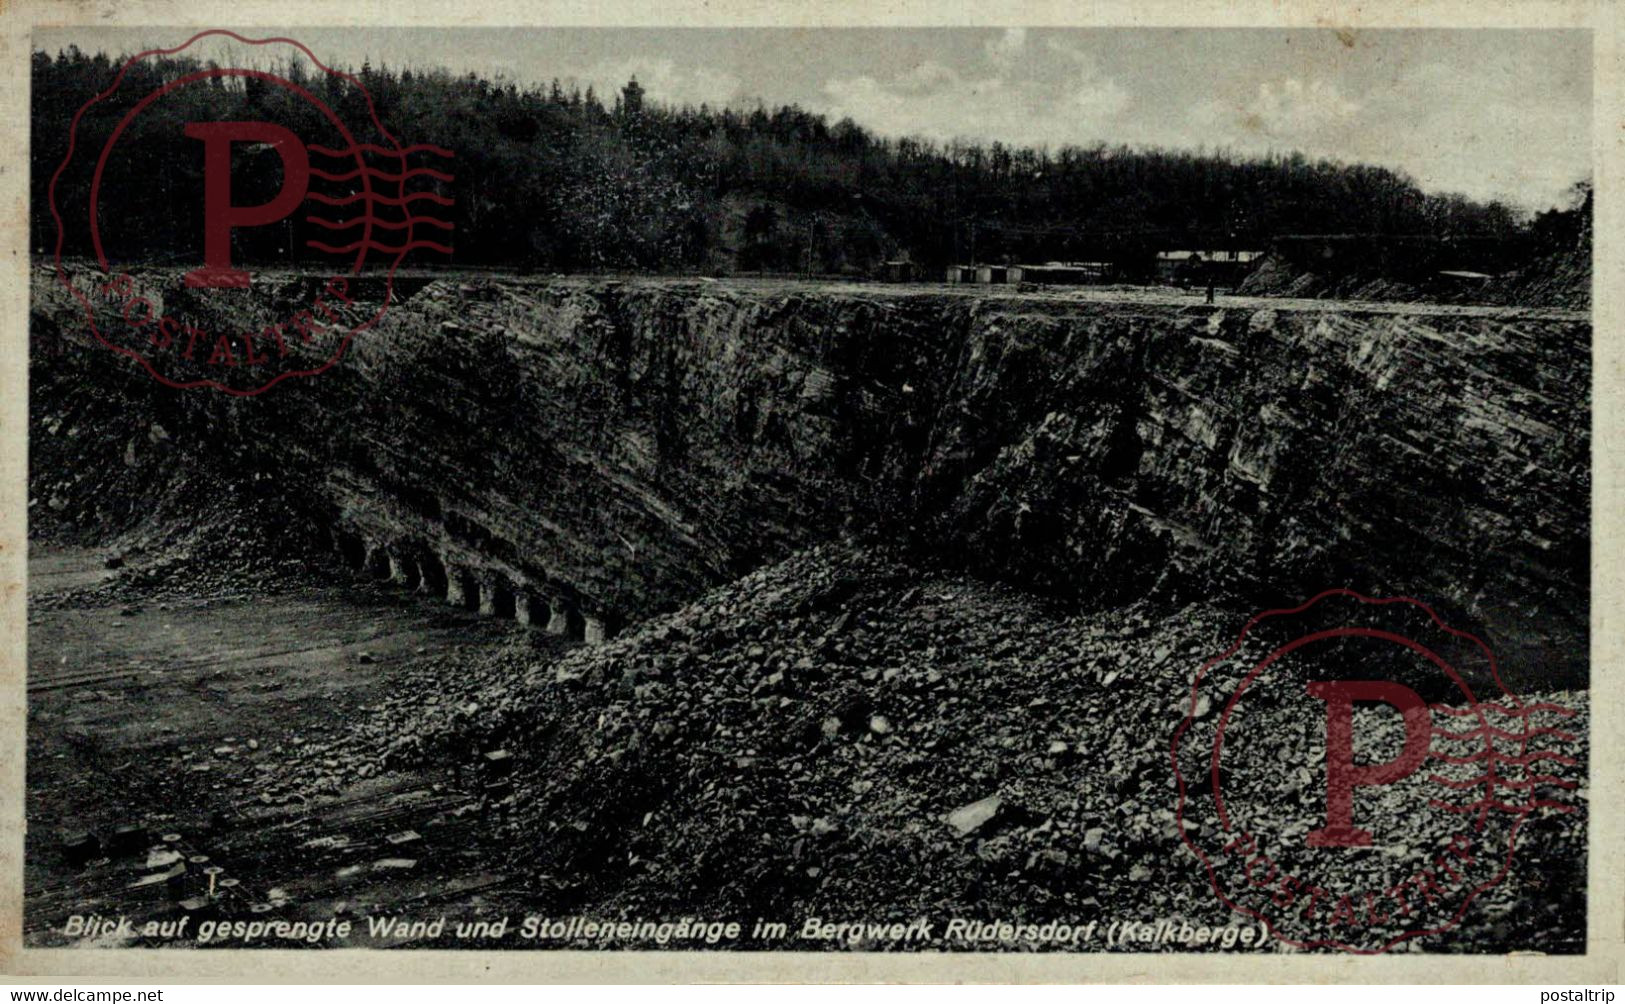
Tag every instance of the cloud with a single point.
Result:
(1054, 94)
(1293, 108)
(1280, 113)
(1007, 48)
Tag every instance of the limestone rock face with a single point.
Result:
(602, 450)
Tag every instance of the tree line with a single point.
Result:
(552, 177)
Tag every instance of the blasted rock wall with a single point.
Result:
(582, 452)
(1278, 450)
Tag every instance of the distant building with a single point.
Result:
(1198, 266)
(1069, 273)
(898, 271)
(984, 274)
(998, 274)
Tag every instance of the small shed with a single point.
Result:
(1068, 273)
(998, 275)
(897, 271)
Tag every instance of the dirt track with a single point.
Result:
(202, 706)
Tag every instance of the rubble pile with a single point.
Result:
(118, 473)
(1559, 280)
(853, 734)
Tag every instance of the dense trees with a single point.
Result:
(549, 177)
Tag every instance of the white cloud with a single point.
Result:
(1014, 101)
(1293, 108)
(1281, 114)
(1096, 96)
(1007, 48)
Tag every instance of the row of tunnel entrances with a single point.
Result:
(487, 593)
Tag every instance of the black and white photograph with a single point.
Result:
(954, 490)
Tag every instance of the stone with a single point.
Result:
(160, 857)
(171, 874)
(80, 846)
(127, 838)
(968, 819)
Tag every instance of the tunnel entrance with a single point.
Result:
(470, 598)
(502, 600)
(432, 576)
(351, 550)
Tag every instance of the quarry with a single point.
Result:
(611, 594)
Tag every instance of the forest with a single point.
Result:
(555, 178)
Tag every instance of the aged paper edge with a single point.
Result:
(1606, 873)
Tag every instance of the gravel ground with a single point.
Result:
(849, 735)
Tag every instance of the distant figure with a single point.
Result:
(1210, 286)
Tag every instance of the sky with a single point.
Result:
(1488, 113)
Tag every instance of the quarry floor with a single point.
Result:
(199, 705)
